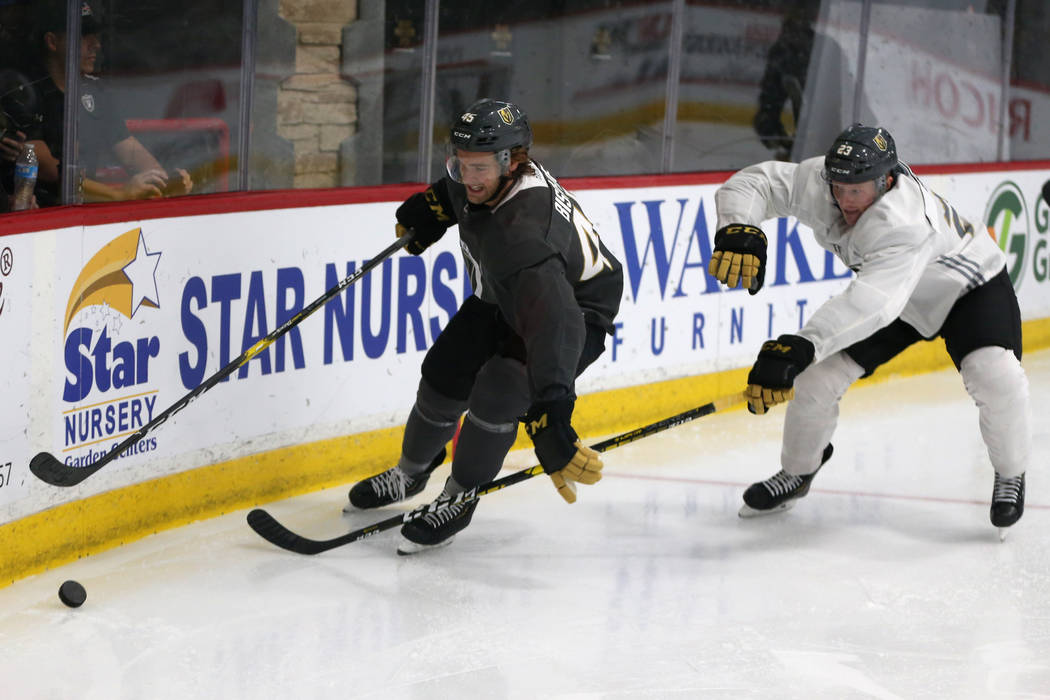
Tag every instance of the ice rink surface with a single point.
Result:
(887, 581)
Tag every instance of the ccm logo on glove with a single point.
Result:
(774, 346)
(435, 205)
(772, 377)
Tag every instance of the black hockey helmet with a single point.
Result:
(491, 125)
(860, 153)
(488, 126)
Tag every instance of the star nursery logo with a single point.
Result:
(108, 372)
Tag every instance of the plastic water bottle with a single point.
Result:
(25, 178)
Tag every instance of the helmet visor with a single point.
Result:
(453, 169)
(474, 168)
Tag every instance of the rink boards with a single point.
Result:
(105, 323)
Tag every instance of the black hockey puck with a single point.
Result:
(72, 594)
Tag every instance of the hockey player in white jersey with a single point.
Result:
(921, 271)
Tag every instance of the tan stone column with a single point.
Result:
(316, 107)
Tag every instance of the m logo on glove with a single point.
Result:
(534, 426)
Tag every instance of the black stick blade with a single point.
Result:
(267, 527)
(1046, 191)
(48, 469)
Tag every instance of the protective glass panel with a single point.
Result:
(340, 85)
(590, 74)
(934, 78)
(156, 112)
(743, 68)
(159, 112)
(829, 101)
(280, 106)
(31, 102)
(318, 94)
(764, 79)
(1029, 136)
(401, 102)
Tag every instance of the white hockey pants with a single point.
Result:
(992, 375)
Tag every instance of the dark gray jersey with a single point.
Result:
(539, 259)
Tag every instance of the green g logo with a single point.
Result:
(1007, 222)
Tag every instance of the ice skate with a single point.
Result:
(391, 486)
(779, 492)
(1007, 502)
(436, 529)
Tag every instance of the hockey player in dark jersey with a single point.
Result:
(546, 291)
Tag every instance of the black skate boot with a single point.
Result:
(1007, 502)
(435, 529)
(779, 492)
(391, 486)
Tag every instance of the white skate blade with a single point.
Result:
(407, 547)
(747, 511)
(1002, 534)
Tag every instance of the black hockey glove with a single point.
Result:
(565, 459)
(772, 377)
(424, 214)
(740, 254)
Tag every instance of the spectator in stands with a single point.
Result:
(784, 79)
(102, 135)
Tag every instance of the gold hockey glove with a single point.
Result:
(772, 377)
(559, 449)
(739, 256)
(585, 467)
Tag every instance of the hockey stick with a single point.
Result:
(267, 527)
(47, 468)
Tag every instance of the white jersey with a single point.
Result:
(912, 253)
